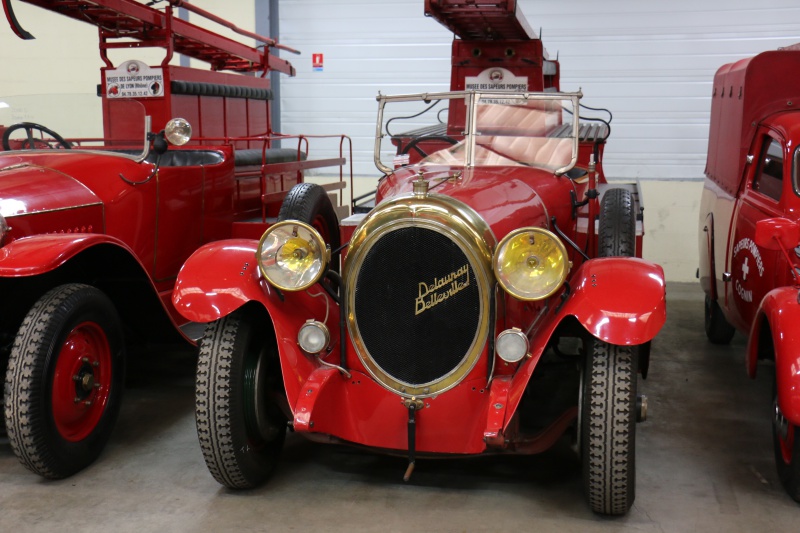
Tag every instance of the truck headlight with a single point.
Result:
(292, 255)
(531, 263)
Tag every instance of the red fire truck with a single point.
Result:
(95, 224)
(492, 300)
(749, 232)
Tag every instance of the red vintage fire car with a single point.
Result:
(95, 224)
(749, 233)
(491, 301)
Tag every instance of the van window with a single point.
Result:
(769, 174)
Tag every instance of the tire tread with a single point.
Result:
(25, 411)
(617, 228)
(609, 432)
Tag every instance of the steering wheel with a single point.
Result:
(413, 144)
(32, 143)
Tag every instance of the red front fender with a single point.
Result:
(780, 310)
(30, 256)
(219, 278)
(620, 300)
(222, 276)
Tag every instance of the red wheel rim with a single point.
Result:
(319, 224)
(82, 381)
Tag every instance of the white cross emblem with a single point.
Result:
(745, 269)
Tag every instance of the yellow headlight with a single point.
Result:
(531, 263)
(292, 255)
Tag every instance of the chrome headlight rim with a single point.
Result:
(499, 253)
(515, 334)
(317, 239)
(316, 327)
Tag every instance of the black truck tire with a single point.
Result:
(64, 381)
(608, 428)
(239, 423)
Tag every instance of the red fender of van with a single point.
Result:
(37, 254)
(619, 300)
(782, 310)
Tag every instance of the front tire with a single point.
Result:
(787, 451)
(608, 419)
(64, 381)
(239, 423)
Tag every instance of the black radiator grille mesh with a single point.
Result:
(417, 305)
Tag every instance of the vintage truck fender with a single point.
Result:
(779, 309)
(618, 300)
(219, 278)
(37, 254)
(222, 276)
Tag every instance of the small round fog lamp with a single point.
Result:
(313, 337)
(511, 345)
(178, 131)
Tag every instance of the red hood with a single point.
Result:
(36, 198)
(27, 188)
(506, 197)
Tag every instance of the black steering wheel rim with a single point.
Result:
(414, 142)
(29, 127)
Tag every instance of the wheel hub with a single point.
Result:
(85, 380)
(81, 381)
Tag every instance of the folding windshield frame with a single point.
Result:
(472, 98)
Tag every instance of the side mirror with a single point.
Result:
(777, 233)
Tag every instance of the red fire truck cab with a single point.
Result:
(96, 220)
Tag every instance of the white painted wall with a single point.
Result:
(56, 74)
(368, 46)
(651, 63)
(65, 57)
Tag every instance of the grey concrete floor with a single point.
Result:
(704, 463)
